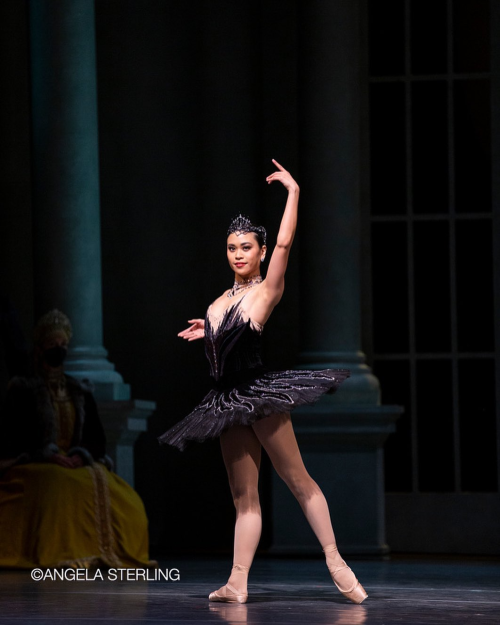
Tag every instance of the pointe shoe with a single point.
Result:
(356, 593)
(228, 594)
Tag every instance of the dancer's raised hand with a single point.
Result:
(284, 176)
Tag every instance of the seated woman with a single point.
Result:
(60, 505)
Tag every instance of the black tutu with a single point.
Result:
(273, 392)
(244, 391)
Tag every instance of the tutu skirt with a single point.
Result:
(243, 402)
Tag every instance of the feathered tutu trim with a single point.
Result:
(273, 392)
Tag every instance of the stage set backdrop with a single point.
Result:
(132, 131)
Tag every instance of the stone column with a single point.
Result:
(341, 437)
(330, 144)
(66, 211)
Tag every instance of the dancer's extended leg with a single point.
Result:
(241, 451)
(278, 439)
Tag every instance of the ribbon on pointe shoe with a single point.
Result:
(228, 593)
(356, 593)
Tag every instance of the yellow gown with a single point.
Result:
(53, 516)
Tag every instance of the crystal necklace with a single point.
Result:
(238, 287)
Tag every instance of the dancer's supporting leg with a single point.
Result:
(278, 439)
(241, 451)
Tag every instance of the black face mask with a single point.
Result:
(55, 356)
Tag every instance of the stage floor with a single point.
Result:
(282, 591)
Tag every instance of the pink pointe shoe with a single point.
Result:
(355, 593)
(228, 593)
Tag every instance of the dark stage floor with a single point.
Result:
(408, 591)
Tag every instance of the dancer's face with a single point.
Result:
(244, 254)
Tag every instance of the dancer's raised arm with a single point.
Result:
(275, 279)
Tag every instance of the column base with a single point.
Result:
(123, 422)
(361, 388)
(91, 363)
(342, 450)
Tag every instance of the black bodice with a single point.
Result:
(233, 347)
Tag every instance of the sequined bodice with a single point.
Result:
(233, 346)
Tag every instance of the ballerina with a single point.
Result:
(249, 406)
